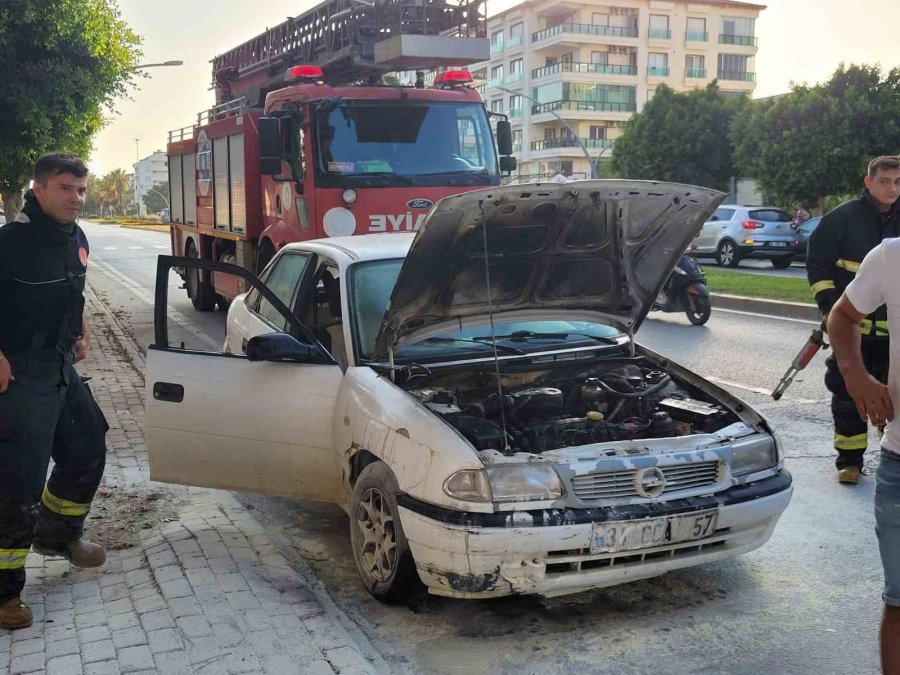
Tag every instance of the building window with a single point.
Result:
(600, 19)
(549, 134)
(600, 58)
(738, 31)
(650, 94)
(565, 167)
(734, 67)
(566, 58)
(659, 26)
(515, 106)
(694, 65)
(549, 61)
(496, 41)
(657, 64)
(516, 33)
(516, 67)
(496, 71)
(696, 29)
(517, 140)
(497, 105)
(598, 133)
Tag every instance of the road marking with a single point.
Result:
(136, 248)
(760, 390)
(164, 248)
(110, 248)
(768, 316)
(172, 314)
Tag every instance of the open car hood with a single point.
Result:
(588, 250)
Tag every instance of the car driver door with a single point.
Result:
(260, 422)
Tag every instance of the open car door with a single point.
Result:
(260, 422)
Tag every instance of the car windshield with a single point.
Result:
(771, 216)
(403, 142)
(371, 285)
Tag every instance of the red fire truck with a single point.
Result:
(309, 138)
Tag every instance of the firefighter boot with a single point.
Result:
(848, 475)
(14, 614)
(80, 553)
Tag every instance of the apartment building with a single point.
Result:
(148, 172)
(561, 68)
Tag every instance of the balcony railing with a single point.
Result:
(495, 82)
(590, 143)
(515, 112)
(517, 147)
(745, 40)
(584, 29)
(658, 71)
(660, 34)
(696, 36)
(512, 78)
(696, 73)
(736, 77)
(587, 106)
(592, 68)
(514, 42)
(496, 47)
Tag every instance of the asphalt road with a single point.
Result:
(807, 602)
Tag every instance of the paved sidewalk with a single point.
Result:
(193, 585)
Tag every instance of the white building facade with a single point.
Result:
(565, 70)
(148, 172)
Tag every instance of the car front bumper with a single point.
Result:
(478, 556)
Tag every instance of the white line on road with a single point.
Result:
(136, 248)
(768, 316)
(760, 390)
(173, 314)
(110, 248)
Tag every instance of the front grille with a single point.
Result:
(581, 560)
(620, 484)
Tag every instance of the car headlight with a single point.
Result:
(510, 483)
(753, 454)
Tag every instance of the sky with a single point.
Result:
(799, 41)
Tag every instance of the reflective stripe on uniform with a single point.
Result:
(857, 442)
(63, 506)
(820, 286)
(12, 558)
(881, 327)
(849, 265)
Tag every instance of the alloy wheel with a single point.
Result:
(378, 539)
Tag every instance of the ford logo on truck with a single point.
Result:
(419, 204)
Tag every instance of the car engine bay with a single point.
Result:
(559, 408)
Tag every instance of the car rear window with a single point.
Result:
(771, 216)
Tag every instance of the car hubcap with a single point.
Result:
(378, 541)
(727, 254)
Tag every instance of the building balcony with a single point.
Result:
(517, 147)
(736, 77)
(586, 106)
(515, 113)
(743, 40)
(695, 73)
(512, 78)
(696, 36)
(584, 29)
(657, 71)
(494, 82)
(590, 143)
(660, 34)
(496, 47)
(514, 42)
(587, 68)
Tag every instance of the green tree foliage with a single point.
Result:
(681, 137)
(156, 199)
(62, 65)
(817, 140)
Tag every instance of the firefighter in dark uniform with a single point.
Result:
(45, 407)
(836, 249)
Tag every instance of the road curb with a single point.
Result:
(790, 310)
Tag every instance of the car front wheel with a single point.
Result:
(383, 559)
(727, 254)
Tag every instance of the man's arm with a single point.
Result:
(6, 375)
(82, 346)
(822, 255)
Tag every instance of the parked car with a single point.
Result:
(473, 397)
(804, 232)
(734, 233)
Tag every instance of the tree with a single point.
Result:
(64, 63)
(681, 137)
(816, 140)
(157, 198)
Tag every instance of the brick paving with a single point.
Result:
(206, 592)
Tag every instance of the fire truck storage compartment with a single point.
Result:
(229, 190)
(183, 188)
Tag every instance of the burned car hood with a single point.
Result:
(597, 249)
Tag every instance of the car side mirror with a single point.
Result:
(507, 164)
(283, 347)
(504, 137)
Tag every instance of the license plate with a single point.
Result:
(636, 534)
(778, 244)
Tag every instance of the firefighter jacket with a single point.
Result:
(837, 248)
(42, 271)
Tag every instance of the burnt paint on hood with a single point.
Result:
(595, 247)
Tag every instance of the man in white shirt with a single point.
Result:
(877, 283)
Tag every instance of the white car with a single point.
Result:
(472, 396)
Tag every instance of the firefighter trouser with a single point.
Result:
(46, 411)
(850, 430)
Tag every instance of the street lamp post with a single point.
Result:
(591, 162)
(157, 65)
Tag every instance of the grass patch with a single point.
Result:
(758, 285)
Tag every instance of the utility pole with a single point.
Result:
(137, 159)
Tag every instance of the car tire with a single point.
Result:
(727, 254)
(782, 263)
(380, 550)
(201, 293)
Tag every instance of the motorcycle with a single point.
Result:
(685, 291)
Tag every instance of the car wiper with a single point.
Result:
(527, 335)
(409, 180)
(486, 342)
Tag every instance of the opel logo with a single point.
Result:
(650, 482)
(419, 204)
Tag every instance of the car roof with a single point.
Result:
(360, 247)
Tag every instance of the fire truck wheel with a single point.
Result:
(266, 253)
(380, 549)
(201, 293)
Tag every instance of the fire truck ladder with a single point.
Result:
(353, 40)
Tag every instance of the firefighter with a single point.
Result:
(45, 407)
(836, 249)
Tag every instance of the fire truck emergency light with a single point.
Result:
(305, 72)
(453, 77)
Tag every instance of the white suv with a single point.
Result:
(734, 233)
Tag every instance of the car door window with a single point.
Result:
(724, 214)
(283, 280)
